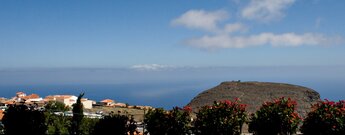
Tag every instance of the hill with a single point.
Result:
(254, 94)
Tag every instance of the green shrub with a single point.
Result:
(88, 125)
(222, 118)
(277, 117)
(326, 118)
(174, 122)
(112, 124)
(22, 119)
(57, 124)
(56, 106)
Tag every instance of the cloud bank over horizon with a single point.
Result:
(150, 67)
(220, 33)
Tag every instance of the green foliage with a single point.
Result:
(21, 119)
(77, 116)
(179, 121)
(174, 122)
(87, 126)
(57, 124)
(60, 125)
(222, 118)
(327, 118)
(112, 124)
(277, 117)
(56, 106)
(155, 121)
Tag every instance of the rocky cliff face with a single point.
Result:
(254, 94)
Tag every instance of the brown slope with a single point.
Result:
(255, 93)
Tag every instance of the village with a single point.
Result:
(92, 108)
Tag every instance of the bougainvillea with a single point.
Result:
(222, 118)
(277, 117)
(326, 118)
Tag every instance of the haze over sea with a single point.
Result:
(163, 86)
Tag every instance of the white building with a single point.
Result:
(69, 100)
(87, 103)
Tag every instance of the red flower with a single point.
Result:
(187, 109)
(243, 107)
(331, 103)
(228, 102)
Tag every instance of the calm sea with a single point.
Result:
(164, 88)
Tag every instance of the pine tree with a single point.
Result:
(77, 116)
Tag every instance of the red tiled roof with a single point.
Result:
(9, 102)
(107, 101)
(32, 96)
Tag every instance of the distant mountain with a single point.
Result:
(254, 94)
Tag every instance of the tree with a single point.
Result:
(77, 116)
(57, 124)
(174, 122)
(56, 106)
(179, 121)
(115, 124)
(156, 122)
(87, 126)
(21, 119)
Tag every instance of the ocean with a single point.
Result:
(165, 88)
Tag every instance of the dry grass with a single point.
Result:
(138, 114)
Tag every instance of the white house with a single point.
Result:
(32, 98)
(87, 103)
(69, 100)
(107, 102)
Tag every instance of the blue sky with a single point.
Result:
(55, 34)
(170, 49)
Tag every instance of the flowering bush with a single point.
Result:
(326, 118)
(174, 122)
(223, 118)
(277, 117)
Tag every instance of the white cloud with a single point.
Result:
(150, 67)
(230, 35)
(265, 10)
(200, 19)
(234, 27)
(286, 39)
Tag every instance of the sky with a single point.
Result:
(153, 34)
(168, 51)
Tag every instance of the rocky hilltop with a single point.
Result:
(255, 93)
